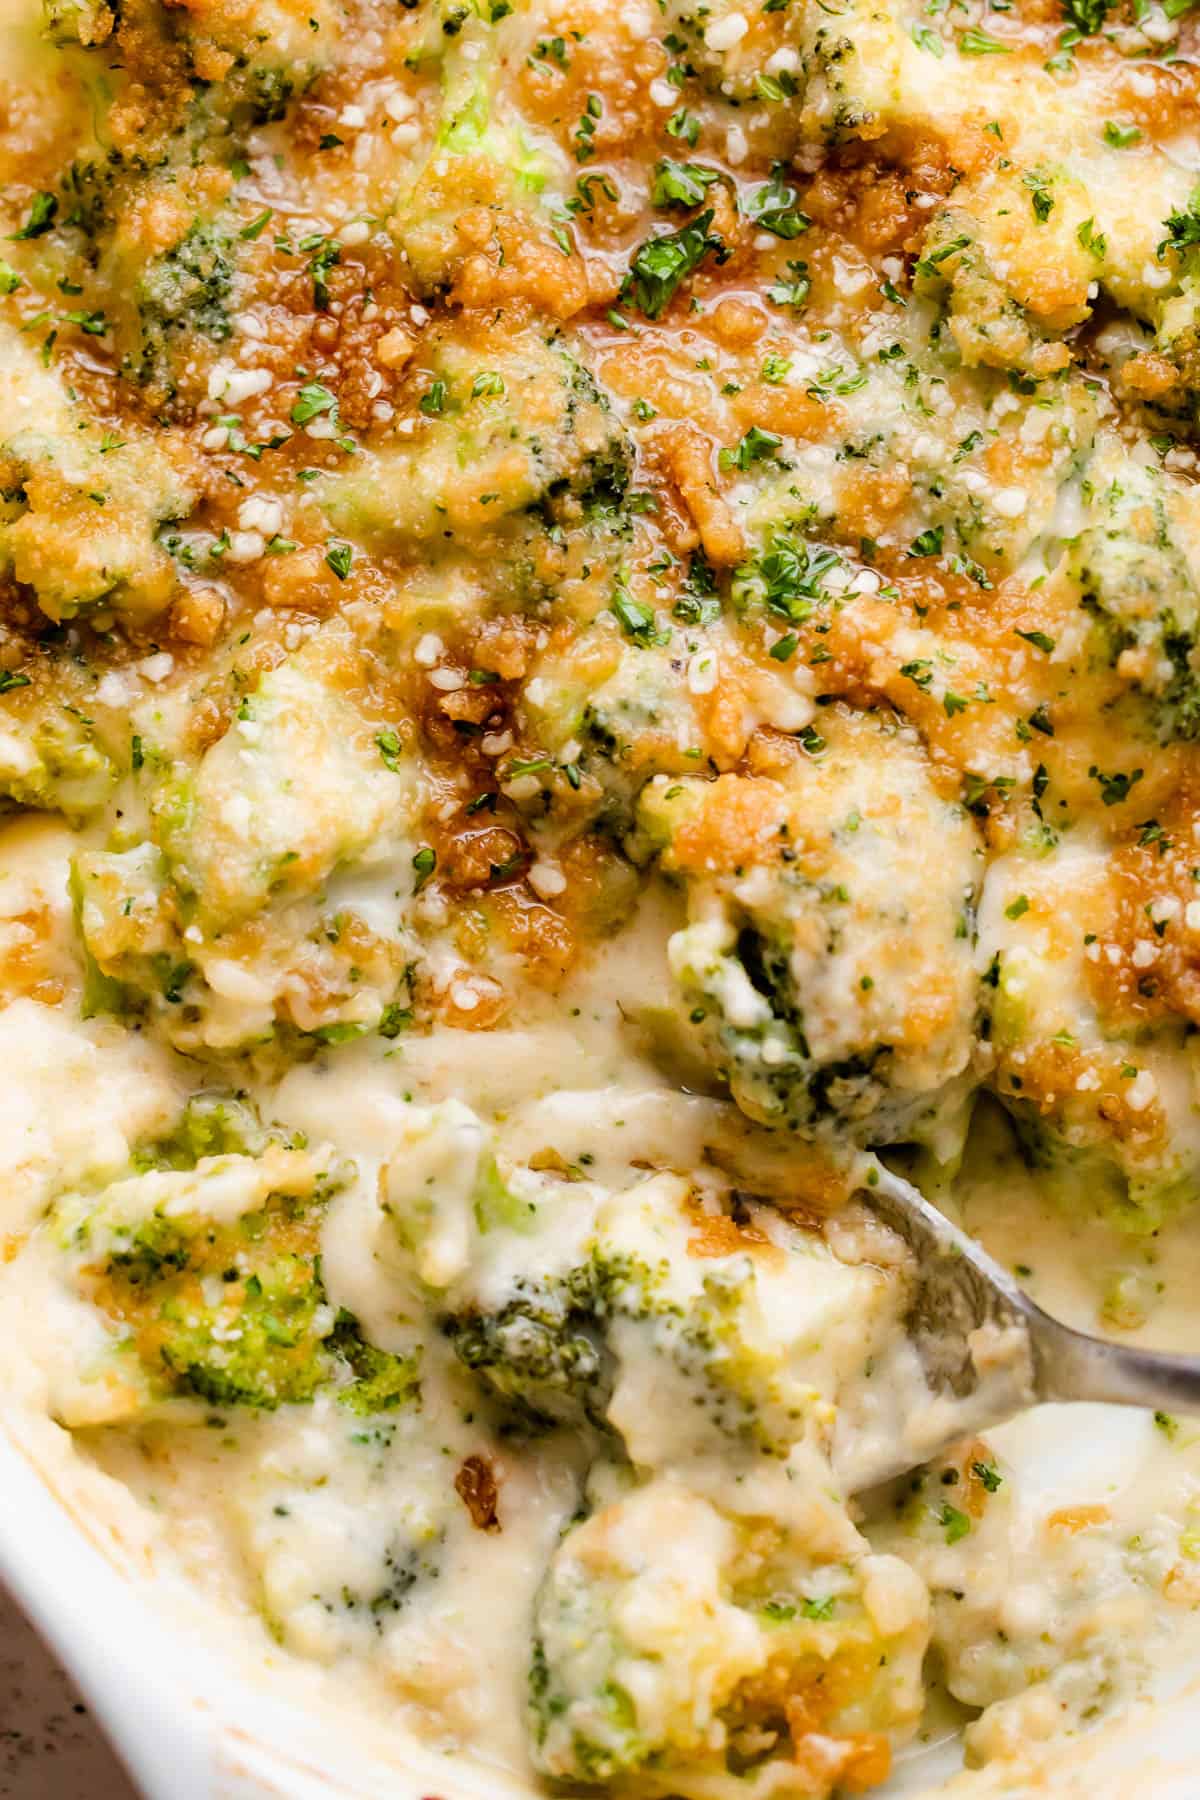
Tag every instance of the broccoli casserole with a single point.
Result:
(601, 624)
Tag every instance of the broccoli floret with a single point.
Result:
(1133, 1173)
(380, 1380)
(270, 92)
(553, 1350)
(271, 51)
(480, 153)
(678, 1644)
(673, 1332)
(90, 198)
(990, 327)
(188, 289)
(807, 76)
(211, 1124)
(1138, 565)
(84, 22)
(81, 513)
(207, 1267)
(475, 463)
(51, 754)
(230, 1312)
(636, 723)
(542, 1352)
(1103, 1103)
(162, 917)
(338, 1561)
(827, 971)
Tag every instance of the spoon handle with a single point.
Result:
(1070, 1365)
(987, 1351)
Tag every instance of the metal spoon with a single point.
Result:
(987, 1351)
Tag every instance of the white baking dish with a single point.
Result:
(192, 1724)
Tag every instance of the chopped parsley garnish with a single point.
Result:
(390, 748)
(685, 125)
(681, 183)
(340, 557)
(1087, 16)
(927, 39)
(1040, 197)
(1120, 137)
(635, 617)
(585, 131)
(327, 254)
(793, 292)
(1183, 228)
(487, 382)
(42, 213)
(1092, 240)
(974, 42)
(929, 542)
(661, 264)
(314, 398)
(1115, 788)
(930, 263)
(775, 208)
(433, 401)
(756, 446)
(954, 1523)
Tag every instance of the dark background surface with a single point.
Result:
(50, 1746)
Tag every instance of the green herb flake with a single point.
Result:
(390, 748)
(42, 213)
(929, 542)
(634, 616)
(954, 1523)
(974, 42)
(433, 401)
(312, 400)
(1121, 137)
(340, 558)
(756, 446)
(681, 183)
(661, 264)
(775, 208)
(1115, 788)
(989, 1475)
